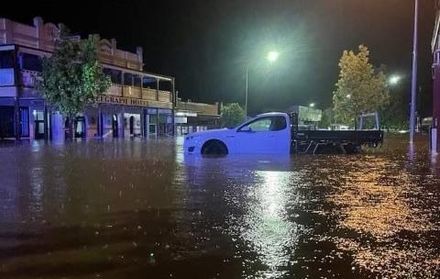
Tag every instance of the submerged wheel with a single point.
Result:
(214, 147)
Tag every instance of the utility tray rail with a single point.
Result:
(331, 141)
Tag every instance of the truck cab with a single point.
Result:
(266, 133)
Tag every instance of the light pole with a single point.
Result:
(412, 116)
(272, 56)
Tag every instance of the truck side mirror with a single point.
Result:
(245, 130)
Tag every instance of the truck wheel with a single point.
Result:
(214, 147)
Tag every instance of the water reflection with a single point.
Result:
(257, 193)
(130, 209)
(377, 203)
(266, 226)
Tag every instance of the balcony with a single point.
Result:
(200, 108)
(165, 96)
(131, 91)
(149, 94)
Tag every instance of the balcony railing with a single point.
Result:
(149, 94)
(203, 109)
(29, 78)
(131, 91)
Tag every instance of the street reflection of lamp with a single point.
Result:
(271, 56)
(267, 224)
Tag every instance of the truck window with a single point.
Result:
(265, 124)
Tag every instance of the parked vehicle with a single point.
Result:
(277, 133)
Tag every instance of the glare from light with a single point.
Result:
(272, 56)
(394, 79)
(312, 105)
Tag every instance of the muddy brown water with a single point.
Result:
(141, 209)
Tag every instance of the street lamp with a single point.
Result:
(394, 79)
(312, 105)
(271, 56)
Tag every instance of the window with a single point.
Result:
(149, 82)
(31, 62)
(114, 75)
(128, 79)
(6, 59)
(265, 124)
(137, 81)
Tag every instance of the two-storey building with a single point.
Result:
(137, 104)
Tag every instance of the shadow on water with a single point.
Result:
(136, 209)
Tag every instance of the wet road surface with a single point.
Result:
(141, 209)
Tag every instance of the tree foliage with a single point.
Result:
(327, 118)
(72, 77)
(360, 89)
(232, 115)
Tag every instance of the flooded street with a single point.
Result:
(141, 209)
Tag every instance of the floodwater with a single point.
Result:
(141, 209)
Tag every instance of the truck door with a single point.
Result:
(267, 134)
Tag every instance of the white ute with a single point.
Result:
(268, 133)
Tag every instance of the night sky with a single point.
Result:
(206, 44)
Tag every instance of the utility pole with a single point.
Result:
(412, 117)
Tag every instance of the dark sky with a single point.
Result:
(207, 44)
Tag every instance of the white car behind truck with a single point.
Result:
(275, 133)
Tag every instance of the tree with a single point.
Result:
(232, 115)
(360, 89)
(72, 77)
(327, 118)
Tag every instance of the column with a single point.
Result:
(17, 121)
(173, 101)
(100, 122)
(436, 105)
(157, 89)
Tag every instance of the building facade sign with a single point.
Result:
(122, 101)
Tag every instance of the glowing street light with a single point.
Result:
(312, 105)
(394, 79)
(271, 56)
